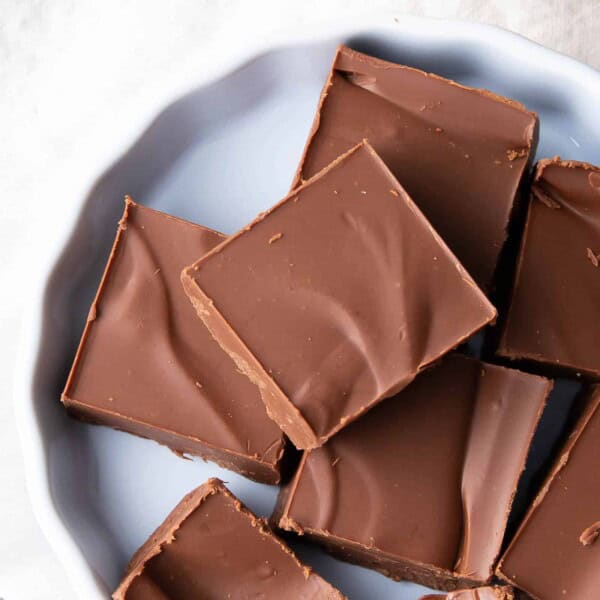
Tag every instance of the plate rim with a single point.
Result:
(38, 481)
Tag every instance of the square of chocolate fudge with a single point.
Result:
(212, 546)
(336, 298)
(556, 552)
(422, 486)
(552, 322)
(146, 365)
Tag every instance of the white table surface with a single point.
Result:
(76, 78)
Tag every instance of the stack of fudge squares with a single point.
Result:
(323, 348)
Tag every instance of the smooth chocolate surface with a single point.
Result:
(147, 365)
(553, 317)
(492, 592)
(336, 298)
(421, 487)
(211, 546)
(460, 152)
(555, 553)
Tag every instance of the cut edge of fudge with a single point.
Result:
(279, 407)
(497, 344)
(166, 533)
(262, 471)
(589, 410)
(543, 163)
(395, 566)
(254, 467)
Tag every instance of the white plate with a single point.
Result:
(218, 156)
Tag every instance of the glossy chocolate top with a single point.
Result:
(429, 475)
(146, 358)
(211, 546)
(459, 152)
(556, 552)
(553, 317)
(342, 293)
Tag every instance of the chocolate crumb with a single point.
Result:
(514, 154)
(275, 237)
(93, 313)
(590, 535)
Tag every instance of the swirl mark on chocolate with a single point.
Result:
(590, 534)
(324, 479)
(490, 476)
(391, 304)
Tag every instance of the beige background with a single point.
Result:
(73, 76)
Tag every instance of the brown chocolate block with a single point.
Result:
(212, 546)
(553, 317)
(555, 554)
(336, 298)
(147, 366)
(492, 592)
(421, 487)
(461, 153)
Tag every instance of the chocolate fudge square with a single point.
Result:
(146, 365)
(336, 298)
(421, 487)
(555, 553)
(552, 322)
(212, 546)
